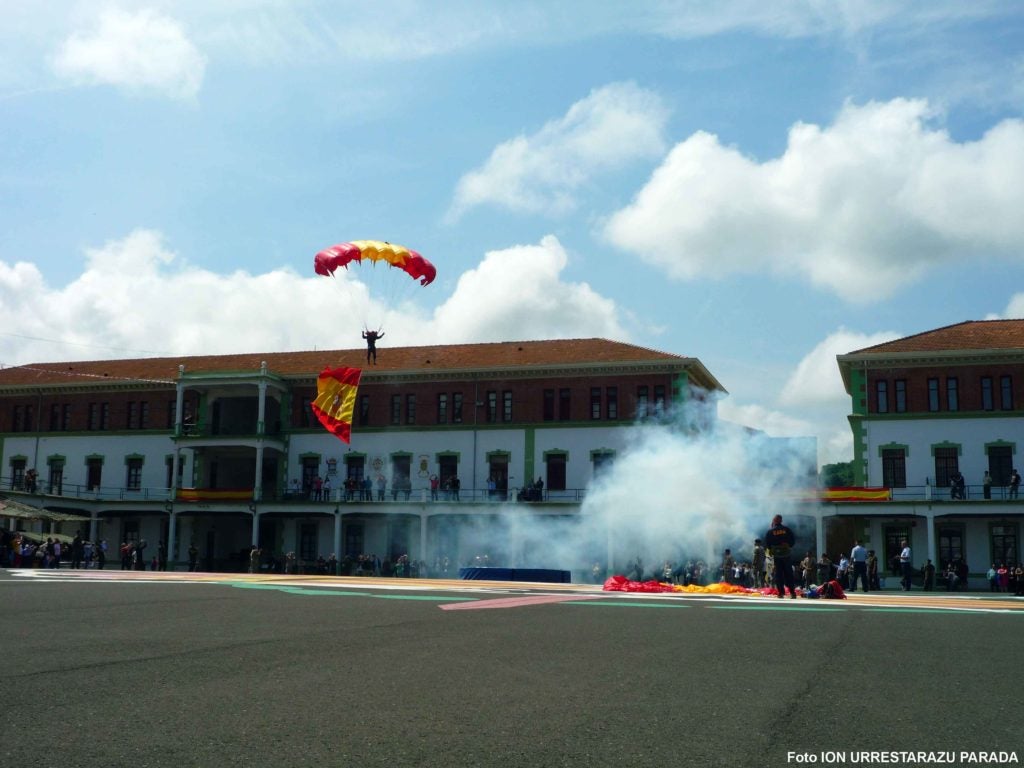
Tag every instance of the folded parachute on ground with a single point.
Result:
(343, 254)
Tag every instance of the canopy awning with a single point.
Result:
(18, 509)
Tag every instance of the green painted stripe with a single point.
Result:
(626, 604)
(346, 593)
(782, 606)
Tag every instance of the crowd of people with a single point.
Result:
(19, 549)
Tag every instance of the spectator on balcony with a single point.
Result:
(957, 486)
(318, 487)
(325, 489)
(986, 485)
(434, 485)
(366, 489)
(382, 486)
(1014, 483)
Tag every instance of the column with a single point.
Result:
(255, 525)
(337, 540)
(172, 536)
(929, 521)
(819, 532)
(423, 536)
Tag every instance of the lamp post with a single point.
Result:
(172, 541)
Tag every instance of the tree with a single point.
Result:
(837, 475)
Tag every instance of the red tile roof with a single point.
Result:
(969, 335)
(451, 357)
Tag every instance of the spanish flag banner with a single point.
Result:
(855, 494)
(336, 400)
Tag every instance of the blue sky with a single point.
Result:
(759, 185)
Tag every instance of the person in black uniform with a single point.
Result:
(371, 344)
(779, 541)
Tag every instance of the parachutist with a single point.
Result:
(371, 344)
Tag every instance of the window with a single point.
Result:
(952, 396)
(56, 479)
(442, 409)
(595, 402)
(400, 475)
(133, 478)
(933, 394)
(659, 400)
(99, 415)
(506, 405)
(144, 415)
(986, 393)
(894, 538)
(894, 468)
(93, 473)
(22, 418)
(1006, 392)
(564, 404)
(306, 411)
(556, 472)
(410, 409)
(456, 407)
(364, 410)
(132, 419)
(310, 469)
(54, 417)
(396, 409)
(18, 473)
(901, 395)
(882, 393)
(612, 403)
(642, 403)
(1004, 544)
(951, 545)
(492, 406)
(354, 540)
(447, 468)
(307, 541)
(602, 462)
(60, 417)
(1000, 463)
(549, 405)
(947, 463)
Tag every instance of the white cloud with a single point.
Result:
(772, 422)
(135, 297)
(612, 127)
(1014, 309)
(862, 207)
(816, 379)
(138, 51)
(519, 293)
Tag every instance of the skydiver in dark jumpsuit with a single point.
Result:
(371, 344)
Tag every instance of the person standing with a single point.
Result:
(874, 582)
(986, 485)
(758, 564)
(809, 566)
(906, 568)
(859, 558)
(780, 540)
(1014, 483)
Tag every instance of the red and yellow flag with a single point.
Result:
(336, 400)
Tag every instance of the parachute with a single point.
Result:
(341, 255)
(388, 273)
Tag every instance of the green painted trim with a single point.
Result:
(860, 459)
(530, 447)
(491, 455)
(940, 415)
(946, 444)
(894, 447)
(447, 455)
(556, 452)
(1001, 444)
(309, 455)
(56, 459)
(95, 457)
(18, 457)
(681, 387)
(858, 392)
(602, 452)
(134, 456)
(400, 454)
(354, 455)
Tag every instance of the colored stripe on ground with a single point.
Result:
(514, 602)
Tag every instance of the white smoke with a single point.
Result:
(673, 495)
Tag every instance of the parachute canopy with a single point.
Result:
(410, 262)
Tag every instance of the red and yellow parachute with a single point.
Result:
(397, 256)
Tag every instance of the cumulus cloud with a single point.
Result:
(610, 128)
(862, 207)
(138, 51)
(136, 297)
(816, 379)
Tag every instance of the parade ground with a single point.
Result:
(176, 669)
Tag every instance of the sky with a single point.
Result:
(758, 185)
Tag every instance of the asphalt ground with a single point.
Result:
(178, 670)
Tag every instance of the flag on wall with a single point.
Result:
(336, 400)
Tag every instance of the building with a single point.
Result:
(926, 410)
(223, 452)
